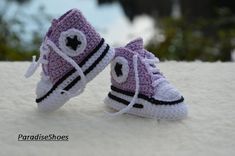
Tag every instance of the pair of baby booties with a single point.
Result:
(73, 53)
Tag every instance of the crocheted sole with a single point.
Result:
(145, 108)
(72, 83)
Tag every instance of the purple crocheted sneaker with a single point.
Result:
(139, 88)
(72, 54)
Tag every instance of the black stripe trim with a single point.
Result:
(151, 100)
(136, 105)
(92, 53)
(88, 70)
(71, 71)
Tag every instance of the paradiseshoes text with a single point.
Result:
(42, 137)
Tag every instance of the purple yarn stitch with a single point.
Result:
(144, 77)
(137, 45)
(57, 66)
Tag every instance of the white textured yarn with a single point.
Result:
(164, 91)
(73, 63)
(43, 85)
(125, 69)
(55, 100)
(149, 110)
(130, 105)
(150, 64)
(71, 33)
(34, 65)
(44, 49)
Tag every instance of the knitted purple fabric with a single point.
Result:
(137, 45)
(144, 77)
(139, 88)
(57, 66)
(71, 54)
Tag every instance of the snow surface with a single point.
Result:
(209, 130)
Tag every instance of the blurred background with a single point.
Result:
(183, 30)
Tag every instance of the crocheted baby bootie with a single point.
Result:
(139, 88)
(72, 54)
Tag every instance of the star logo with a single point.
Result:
(73, 43)
(118, 69)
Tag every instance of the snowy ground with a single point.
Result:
(209, 90)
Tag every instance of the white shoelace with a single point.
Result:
(153, 68)
(44, 50)
(155, 71)
(137, 86)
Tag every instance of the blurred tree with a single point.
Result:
(19, 1)
(193, 10)
(12, 29)
(133, 8)
(205, 31)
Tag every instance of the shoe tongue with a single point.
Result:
(136, 45)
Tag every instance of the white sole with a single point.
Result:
(168, 112)
(56, 99)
